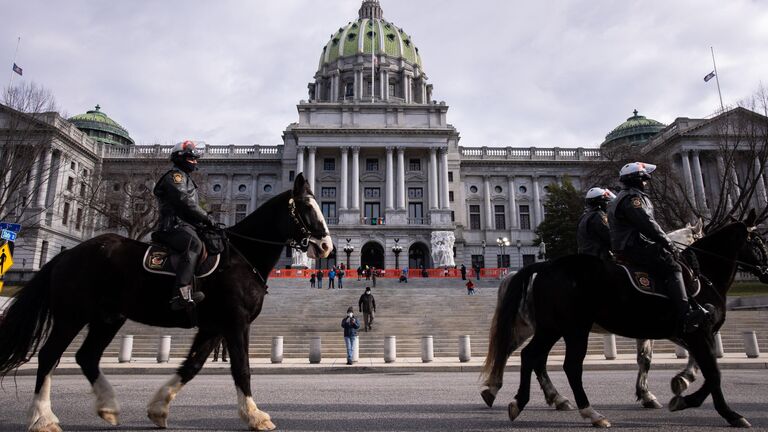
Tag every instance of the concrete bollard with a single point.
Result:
(276, 355)
(315, 350)
(465, 349)
(680, 352)
(719, 345)
(164, 349)
(356, 350)
(609, 346)
(126, 349)
(427, 349)
(390, 349)
(750, 344)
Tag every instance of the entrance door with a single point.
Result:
(372, 255)
(418, 256)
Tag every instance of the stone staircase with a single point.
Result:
(437, 307)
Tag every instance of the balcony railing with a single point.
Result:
(211, 151)
(530, 153)
(332, 220)
(373, 221)
(424, 220)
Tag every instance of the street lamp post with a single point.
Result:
(520, 251)
(348, 249)
(502, 242)
(396, 249)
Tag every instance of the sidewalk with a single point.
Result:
(295, 366)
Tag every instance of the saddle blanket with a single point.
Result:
(647, 284)
(157, 259)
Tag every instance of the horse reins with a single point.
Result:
(738, 262)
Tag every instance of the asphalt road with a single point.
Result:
(383, 402)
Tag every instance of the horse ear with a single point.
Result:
(299, 184)
(751, 218)
(699, 225)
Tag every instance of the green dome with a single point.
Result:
(101, 128)
(636, 128)
(368, 35)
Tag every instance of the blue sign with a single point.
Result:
(8, 235)
(10, 227)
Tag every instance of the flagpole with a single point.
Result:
(10, 80)
(717, 79)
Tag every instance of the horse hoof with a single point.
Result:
(565, 406)
(513, 411)
(488, 397)
(740, 422)
(651, 404)
(160, 420)
(265, 425)
(109, 416)
(50, 427)
(601, 423)
(677, 403)
(679, 385)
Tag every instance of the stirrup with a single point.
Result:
(186, 298)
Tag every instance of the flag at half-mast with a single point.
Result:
(17, 69)
(709, 76)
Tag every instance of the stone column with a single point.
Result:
(355, 178)
(386, 85)
(390, 185)
(400, 178)
(723, 182)
(432, 180)
(687, 176)
(311, 168)
(32, 186)
(760, 185)
(512, 204)
(536, 203)
(357, 86)
(699, 182)
(343, 192)
(45, 175)
(487, 196)
(381, 84)
(444, 178)
(300, 160)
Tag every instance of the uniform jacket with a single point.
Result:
(367, 303)
(177, 198)
(630, 217)
(350, 326)
(592, 235)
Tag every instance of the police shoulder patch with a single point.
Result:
(605, 220)
(637, 202)
(177, 177)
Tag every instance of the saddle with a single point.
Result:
(159, 259)
(645, 283)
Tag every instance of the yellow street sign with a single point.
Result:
(1, 286)
(6, 261)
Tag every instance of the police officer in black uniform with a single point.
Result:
(636, 237)
(180, 214)
(592, 234)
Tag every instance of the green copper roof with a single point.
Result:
(366, 36)
(102, 128)
(636, 126)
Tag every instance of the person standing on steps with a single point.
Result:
(319, 278)
(350, 324)
(367, 306)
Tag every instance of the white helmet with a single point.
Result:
(640, 170)
(597, 196)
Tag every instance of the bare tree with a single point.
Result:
(27, 113)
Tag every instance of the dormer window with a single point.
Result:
(407, 42)
(352, 36)
(391, 37)
(335, 41)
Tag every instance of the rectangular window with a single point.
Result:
(240, 212)
(525, 217)
(65, 214)
(70, 183)
(415, 193)
(112, 215)
(372, 212)
(502, 261)
(392, 90)
(72, 166)
(371, 164)
(328, 192)
(416, 213)
(453, 216)
(414, 165)
(450, 176)
(329, 164)
(450, 196)
(43, 253)
(291, 175)
(82, 190)
(478, 261)
(372, 193)
(500, 217)
(329, 210)
(78, 218)
(474, 217)
(349, 89)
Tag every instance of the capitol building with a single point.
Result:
(383, 160)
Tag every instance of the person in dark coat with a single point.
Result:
(180, 216)
(637, 238)
(367, 306)
(350, 324)
(592, 233)
(463, 272)
(319, 278)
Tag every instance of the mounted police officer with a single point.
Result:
(592, 234)
(637, 237)
(180, 215)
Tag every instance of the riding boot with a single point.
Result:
(186, 299)
(685, 321)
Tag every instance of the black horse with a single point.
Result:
(570, 295)
(101, 283)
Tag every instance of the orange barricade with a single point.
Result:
(394, 273)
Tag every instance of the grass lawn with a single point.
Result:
(741, 289)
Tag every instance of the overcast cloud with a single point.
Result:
(545, 73)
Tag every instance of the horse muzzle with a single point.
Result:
(320, 248)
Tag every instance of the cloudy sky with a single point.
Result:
(547, 73)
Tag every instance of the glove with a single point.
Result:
(670, 246)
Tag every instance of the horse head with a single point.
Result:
(754, 254)
(310, 230)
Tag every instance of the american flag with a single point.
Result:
(17, 69)
(709, 76)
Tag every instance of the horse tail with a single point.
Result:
(511, 297)
(27, 320)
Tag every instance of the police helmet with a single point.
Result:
(636, 171)
(186, 149)
(598, 196)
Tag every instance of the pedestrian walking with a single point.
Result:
(332, 279)
(463, 272)
(220, 347)
(470, 287)
(312, 280)
(367, 271)
(367, 306)
(319, 278)
(350, 324)
(404, 275)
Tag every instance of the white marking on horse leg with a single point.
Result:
(256, 419)
(41, 417)
(597, 419)
(106, 405)
(157, 409)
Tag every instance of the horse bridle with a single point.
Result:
(758, 249)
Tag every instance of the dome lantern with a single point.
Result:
(371, 9)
